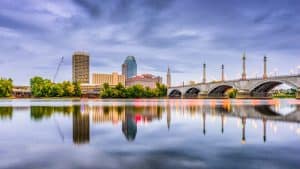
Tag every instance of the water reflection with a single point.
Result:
(131, 116)
(6, 113)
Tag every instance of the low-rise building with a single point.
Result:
(112, 79)
(90, 90)
(146, 80)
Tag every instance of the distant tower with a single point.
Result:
(204, 73)
(265, 68)
(223, 78)
(244, 67)
(169, 77)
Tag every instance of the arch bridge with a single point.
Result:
(249, 88)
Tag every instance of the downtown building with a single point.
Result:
(146, 80)
(111, 79)
(129, 67)
(81, 67)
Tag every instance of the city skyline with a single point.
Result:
(111, 30)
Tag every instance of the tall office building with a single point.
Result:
(81, 67)
(129, 67)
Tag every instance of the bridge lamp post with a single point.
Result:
(204, 73)
(265, 68)
(244, 67)
(222, 75)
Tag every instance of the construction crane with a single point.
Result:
(58, 67)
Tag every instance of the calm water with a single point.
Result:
(137, 134)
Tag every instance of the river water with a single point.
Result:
(146, 134)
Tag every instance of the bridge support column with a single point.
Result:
(203, 95)
(243, 94)
(298, 94)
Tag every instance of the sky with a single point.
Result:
(181, 34)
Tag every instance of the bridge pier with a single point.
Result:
(298, 94)
(243, 94)
(203, 95)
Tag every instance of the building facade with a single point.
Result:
(112, 79)
(146, 80)
(129, 67)
(81, 67)
(90, 90)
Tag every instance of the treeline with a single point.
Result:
(6, 86)
(136, 91)
(289, 93)
(45, 88)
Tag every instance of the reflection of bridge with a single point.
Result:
(246, 88)
(243, 112)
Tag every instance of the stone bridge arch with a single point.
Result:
(192, 92)
(219, 90)
(175, 93)
(262, 88)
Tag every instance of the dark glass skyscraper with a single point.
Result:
(129, 67)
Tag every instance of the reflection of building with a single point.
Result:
(112, 79)
(146, 80)
(129, 67)
(129, 127)
(112, 114)
(81, 128)
(81, 67)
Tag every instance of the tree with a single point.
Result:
(105, 91)
(77, 90)
(6, 86)
(57, 90)
(68, 88)
(161, 90)
(45, 88)
(231, 93)
(36, 84)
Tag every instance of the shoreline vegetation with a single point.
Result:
(45, 89)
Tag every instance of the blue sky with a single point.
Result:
(183, 34)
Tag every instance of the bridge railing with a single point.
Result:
(234, 80)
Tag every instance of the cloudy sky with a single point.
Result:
(183, 34)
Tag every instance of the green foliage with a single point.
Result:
(6, 86)
(45, 88)
(77, 90)
(136, 91)
(6, 112)
(290, 93)
(231, 93)
(42, 112)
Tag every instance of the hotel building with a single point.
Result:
(112, 79)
